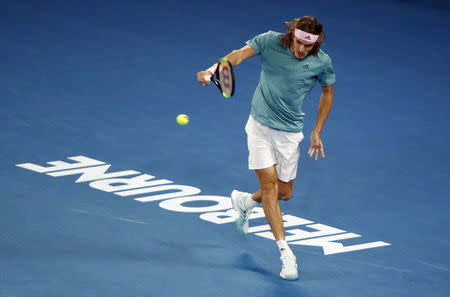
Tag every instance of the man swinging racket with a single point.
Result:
(291, 65)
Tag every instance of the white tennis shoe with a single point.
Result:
(289, 269)
(242, 214)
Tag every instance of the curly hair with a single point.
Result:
(307, 24)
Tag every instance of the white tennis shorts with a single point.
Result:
(267, 146)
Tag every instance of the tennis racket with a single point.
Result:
(223, 78)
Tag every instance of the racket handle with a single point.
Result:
(207, 78)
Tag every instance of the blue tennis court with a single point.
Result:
(104, 194)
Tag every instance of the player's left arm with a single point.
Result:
(326, 101)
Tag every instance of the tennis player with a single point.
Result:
(292, 63)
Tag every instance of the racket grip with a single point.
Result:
(207, 78)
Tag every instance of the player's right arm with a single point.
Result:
(236, 57)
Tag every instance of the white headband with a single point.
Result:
(306, 36)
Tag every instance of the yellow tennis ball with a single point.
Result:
(182, 119)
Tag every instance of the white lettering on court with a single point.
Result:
(185, 199)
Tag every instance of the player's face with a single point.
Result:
(300, 48)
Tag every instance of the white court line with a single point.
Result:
(376, 265)
(441, 267)
(80, 211)
(361, 262)
(110, 217)
(128, 220)
(443, 242)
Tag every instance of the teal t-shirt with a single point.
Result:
(285, 82)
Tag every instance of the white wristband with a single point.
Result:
(213, 68)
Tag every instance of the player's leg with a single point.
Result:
(269, 192)
(261, 155)
(269, 195)
(276, 181)
(287, 152)
(284, 191)
(243, 203)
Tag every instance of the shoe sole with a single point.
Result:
(290, 277)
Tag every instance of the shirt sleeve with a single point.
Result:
(259, 42)
(327, 76)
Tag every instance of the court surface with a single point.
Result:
(105, 80)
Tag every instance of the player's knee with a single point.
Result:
(269, 187)
(285, 196)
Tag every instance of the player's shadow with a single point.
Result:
(246, 262)
(280, 287)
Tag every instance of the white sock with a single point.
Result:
(248, 202)
(284, 247)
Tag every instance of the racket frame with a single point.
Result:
(216, 80)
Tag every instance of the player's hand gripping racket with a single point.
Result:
(223, 78)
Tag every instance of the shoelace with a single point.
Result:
(244, 214)
(288, 260)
